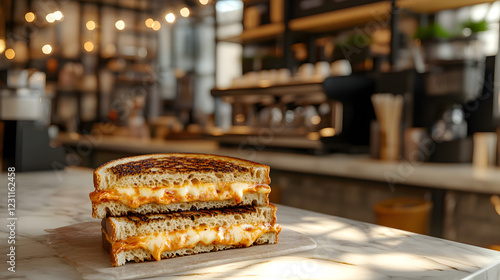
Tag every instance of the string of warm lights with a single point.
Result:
(29, 17)
(120, 24)
(170, 17)
(90, 25)
(52, 17)
(47, 49)
(10, 53)
(156, 25)
(88, 46)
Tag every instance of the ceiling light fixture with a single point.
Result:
(47, 49)
(90, 25)
(170, 17)
(29, 17)
(156, 25)
(88, 46)
(58, 15)
(149, 22)
(185, 12)
(50, 18)
(120, 24)
(10, 53)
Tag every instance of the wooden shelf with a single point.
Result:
(348, 17)
(297, 88)
(259, 34)
(433, 6)
(339, 19)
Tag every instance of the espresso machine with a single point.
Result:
(322, 116)
(278, 117)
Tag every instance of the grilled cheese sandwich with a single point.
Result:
(166, 205)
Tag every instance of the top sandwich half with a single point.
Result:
(160, 183)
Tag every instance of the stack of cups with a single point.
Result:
(485, 149)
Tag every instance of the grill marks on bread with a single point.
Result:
(175, 164)
(170, 170)
(144, 219)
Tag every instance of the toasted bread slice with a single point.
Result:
(119, 258)
(116, 208)
(148, 237)
(167, 170)
(120, 228)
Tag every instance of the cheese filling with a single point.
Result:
(135, 197)
(157, 243)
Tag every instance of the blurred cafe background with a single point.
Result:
(379, 111)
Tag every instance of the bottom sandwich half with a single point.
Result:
(160, 236)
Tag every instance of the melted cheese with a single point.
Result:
(157, 243)
(135, 197)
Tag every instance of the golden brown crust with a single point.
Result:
(176, 163)
(113, 256)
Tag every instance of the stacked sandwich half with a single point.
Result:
(165, 205)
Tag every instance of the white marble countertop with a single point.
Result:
(460, 177)
(346, 249)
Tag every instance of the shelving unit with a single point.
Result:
(339, 19)
(275, 90)
(284, 34)
(259, 34)
(308, 30)
(433, 6)
(93, 62)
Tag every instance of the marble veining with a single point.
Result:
(346, 249)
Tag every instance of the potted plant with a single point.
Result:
(441, 44)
